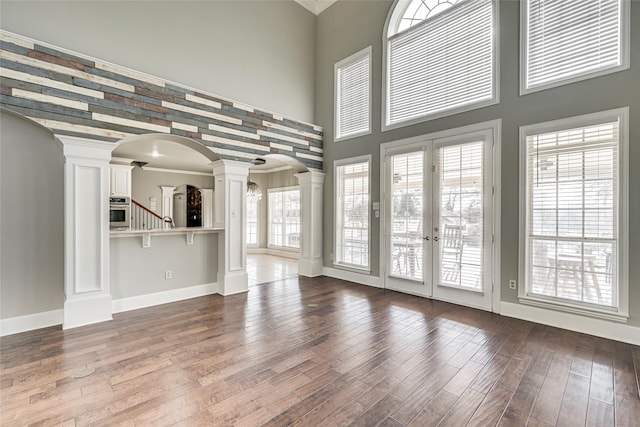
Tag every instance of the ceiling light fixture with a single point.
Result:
(254, 193)
(138, 164)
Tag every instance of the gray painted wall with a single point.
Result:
(349, 26)
(31, 218)
(257, 52)
(136, 271)
(146, 184)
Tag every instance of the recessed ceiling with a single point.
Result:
(160, 153)
(164, 154)
(316, 6)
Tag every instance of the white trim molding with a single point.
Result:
(573, 322)
(30, 322)
(149, 300)
(352, 276)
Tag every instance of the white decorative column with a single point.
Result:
(229, 209)
(311, 194)
(86, 234)
(207, 207)
(167, 203)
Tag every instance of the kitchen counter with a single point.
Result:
(190, 232)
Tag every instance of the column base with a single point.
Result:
(310, 267)
(86, 311)
(234, 283)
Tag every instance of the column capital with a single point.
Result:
(232, 167)
(73, 146)
(311, 176)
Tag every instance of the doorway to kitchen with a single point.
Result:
(440, 216)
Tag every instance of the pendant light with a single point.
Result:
(254, 192)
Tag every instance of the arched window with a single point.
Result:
(441, 58)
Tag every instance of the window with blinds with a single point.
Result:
(572, 211)
(284, 218)
(565, 41)
(252, 222)
(461, 207)
(443, 65)
(353, 95)
(407, 181)
(352, 213)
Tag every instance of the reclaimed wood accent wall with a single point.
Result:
(76, 95)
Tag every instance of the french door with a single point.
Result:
(438, 212)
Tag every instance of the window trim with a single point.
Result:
(344, 162)
(366, 52)
(625, 64)
(392, 17)
(269, 211)
(621, 313)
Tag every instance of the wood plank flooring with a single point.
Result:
(316, 352)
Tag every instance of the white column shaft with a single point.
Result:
(87, 289)
(230, 213)
(311, 194)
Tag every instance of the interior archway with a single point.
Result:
(269, 261)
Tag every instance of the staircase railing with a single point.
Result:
(143, 218)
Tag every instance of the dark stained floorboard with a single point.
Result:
(310, 352)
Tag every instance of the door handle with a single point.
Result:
(425, 238)
(436, 238)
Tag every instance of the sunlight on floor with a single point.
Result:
(263, 268)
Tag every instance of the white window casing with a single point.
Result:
(284, 218)
(444, 65)
(352, 86)
(567, 41)
(574, 215)
(352, 222)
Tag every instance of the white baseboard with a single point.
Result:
(352, 276)
(275, 252)
(283, 253)
(29, 322)
(149, 300)
(573, 322)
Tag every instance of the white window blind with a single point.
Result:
(284, 218)
(572, 202)
(252, 222)
(352, 215)
(444, 64)
(570, 40)
(353, 95)
(461, 207)
(407, 181)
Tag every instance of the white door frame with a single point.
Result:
(495, 126)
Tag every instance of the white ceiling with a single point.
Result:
(316, 6)
(162, 153)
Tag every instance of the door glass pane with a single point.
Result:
(461, 215)
(407, 183)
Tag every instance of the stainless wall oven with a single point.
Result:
(119, 212)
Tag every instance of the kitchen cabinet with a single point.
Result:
(120, 180)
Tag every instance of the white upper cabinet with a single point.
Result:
(120, 180)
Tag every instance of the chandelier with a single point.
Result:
(254, 193)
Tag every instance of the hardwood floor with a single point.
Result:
(316, 352)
